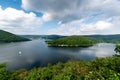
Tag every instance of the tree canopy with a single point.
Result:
(9, 37)
(78, 41)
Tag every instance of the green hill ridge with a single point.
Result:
(9, 37)
(73, 41)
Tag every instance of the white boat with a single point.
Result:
(20, 53)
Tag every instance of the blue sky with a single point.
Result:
(17, 5)
(62, 17)
(11, 3)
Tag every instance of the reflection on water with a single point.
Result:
(36, 53)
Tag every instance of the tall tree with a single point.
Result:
(117, 50)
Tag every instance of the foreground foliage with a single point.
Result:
(78, 41)
(9, 37)
(98, 69)
(117, 50)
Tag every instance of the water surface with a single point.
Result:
(36, 53)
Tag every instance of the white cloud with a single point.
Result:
(19, 22)
(74, 17)
(69, 10)
(79, 17)
(64, 10)
(78, 27)
(46, 17)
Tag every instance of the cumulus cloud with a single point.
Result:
(74, 17)
(68, 10)
(19, 22)
(64, 10)
(78, 27)
(79, 17)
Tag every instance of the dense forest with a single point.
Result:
(98, 69)
(73, 41)
(107, 38)
(103, 38)
(9, 37)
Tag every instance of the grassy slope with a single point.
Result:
(73, 41)
(98, 69)
(9, 37)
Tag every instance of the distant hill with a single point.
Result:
(107, 38)
(104, 38)
(73, 41)
(9, 37)
(43, 36)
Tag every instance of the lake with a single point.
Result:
(26, 55)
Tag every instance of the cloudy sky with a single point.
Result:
(63, 17)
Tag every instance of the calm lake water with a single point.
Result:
(36, 53)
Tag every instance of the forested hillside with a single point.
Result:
(107, 38)
(9, 37)
(78, 41)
